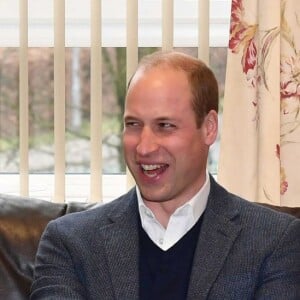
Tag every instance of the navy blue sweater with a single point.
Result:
(165, 275)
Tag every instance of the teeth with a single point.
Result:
(150, 167)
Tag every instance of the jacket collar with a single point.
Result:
(219, 230)
(121, 244)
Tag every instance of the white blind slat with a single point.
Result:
(203, 30)
(23, 99)
(167, 24)
(132, 37)
(96, 103)
(131, 54)
(59, 100)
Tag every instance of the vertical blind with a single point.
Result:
(23, 87)
(167, 28)
(131, 52)
(96, 102)
(59, 99)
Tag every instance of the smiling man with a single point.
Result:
(166, 148)
(177, 234)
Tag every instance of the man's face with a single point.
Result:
(164, 150)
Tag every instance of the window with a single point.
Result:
(77, 51)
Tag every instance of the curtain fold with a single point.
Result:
(260, 138)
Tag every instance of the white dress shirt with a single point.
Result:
(180, 222)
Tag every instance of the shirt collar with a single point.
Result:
(190, 212)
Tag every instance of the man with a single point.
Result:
(178, 234)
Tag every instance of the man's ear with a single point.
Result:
(210, 125)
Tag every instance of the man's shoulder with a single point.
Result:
(257, 224)
(99, 214)
(259, 210)
(248, 212)
(266, 226)
(262, 215)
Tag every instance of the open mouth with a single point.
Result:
(153, 170)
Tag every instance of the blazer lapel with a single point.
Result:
(217, 235)
(121, 244)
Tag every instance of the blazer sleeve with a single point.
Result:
(280, 273)
(55, 276)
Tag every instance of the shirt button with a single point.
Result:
(161, 241)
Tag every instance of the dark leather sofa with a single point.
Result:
(22, 221)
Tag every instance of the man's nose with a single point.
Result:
(147, 143)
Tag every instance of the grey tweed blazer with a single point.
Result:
(244, 251)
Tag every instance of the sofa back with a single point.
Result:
(22, 221)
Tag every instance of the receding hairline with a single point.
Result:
(166, 59)
(172, 59)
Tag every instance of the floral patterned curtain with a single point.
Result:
(260, 134)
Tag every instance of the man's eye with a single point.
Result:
(166, 125)
(131, 124)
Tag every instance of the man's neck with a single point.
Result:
(162, 210)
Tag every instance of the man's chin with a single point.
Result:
(153, 196)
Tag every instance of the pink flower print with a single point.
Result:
(237, 27)
(249, 58)
(242, 36)
(237, 10)
(283, 182)
(283, 187)
(277, 151)
(236, 38)
(290, 77)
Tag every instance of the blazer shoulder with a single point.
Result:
(98, 215)
(245, 212)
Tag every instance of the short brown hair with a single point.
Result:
(204, 86)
